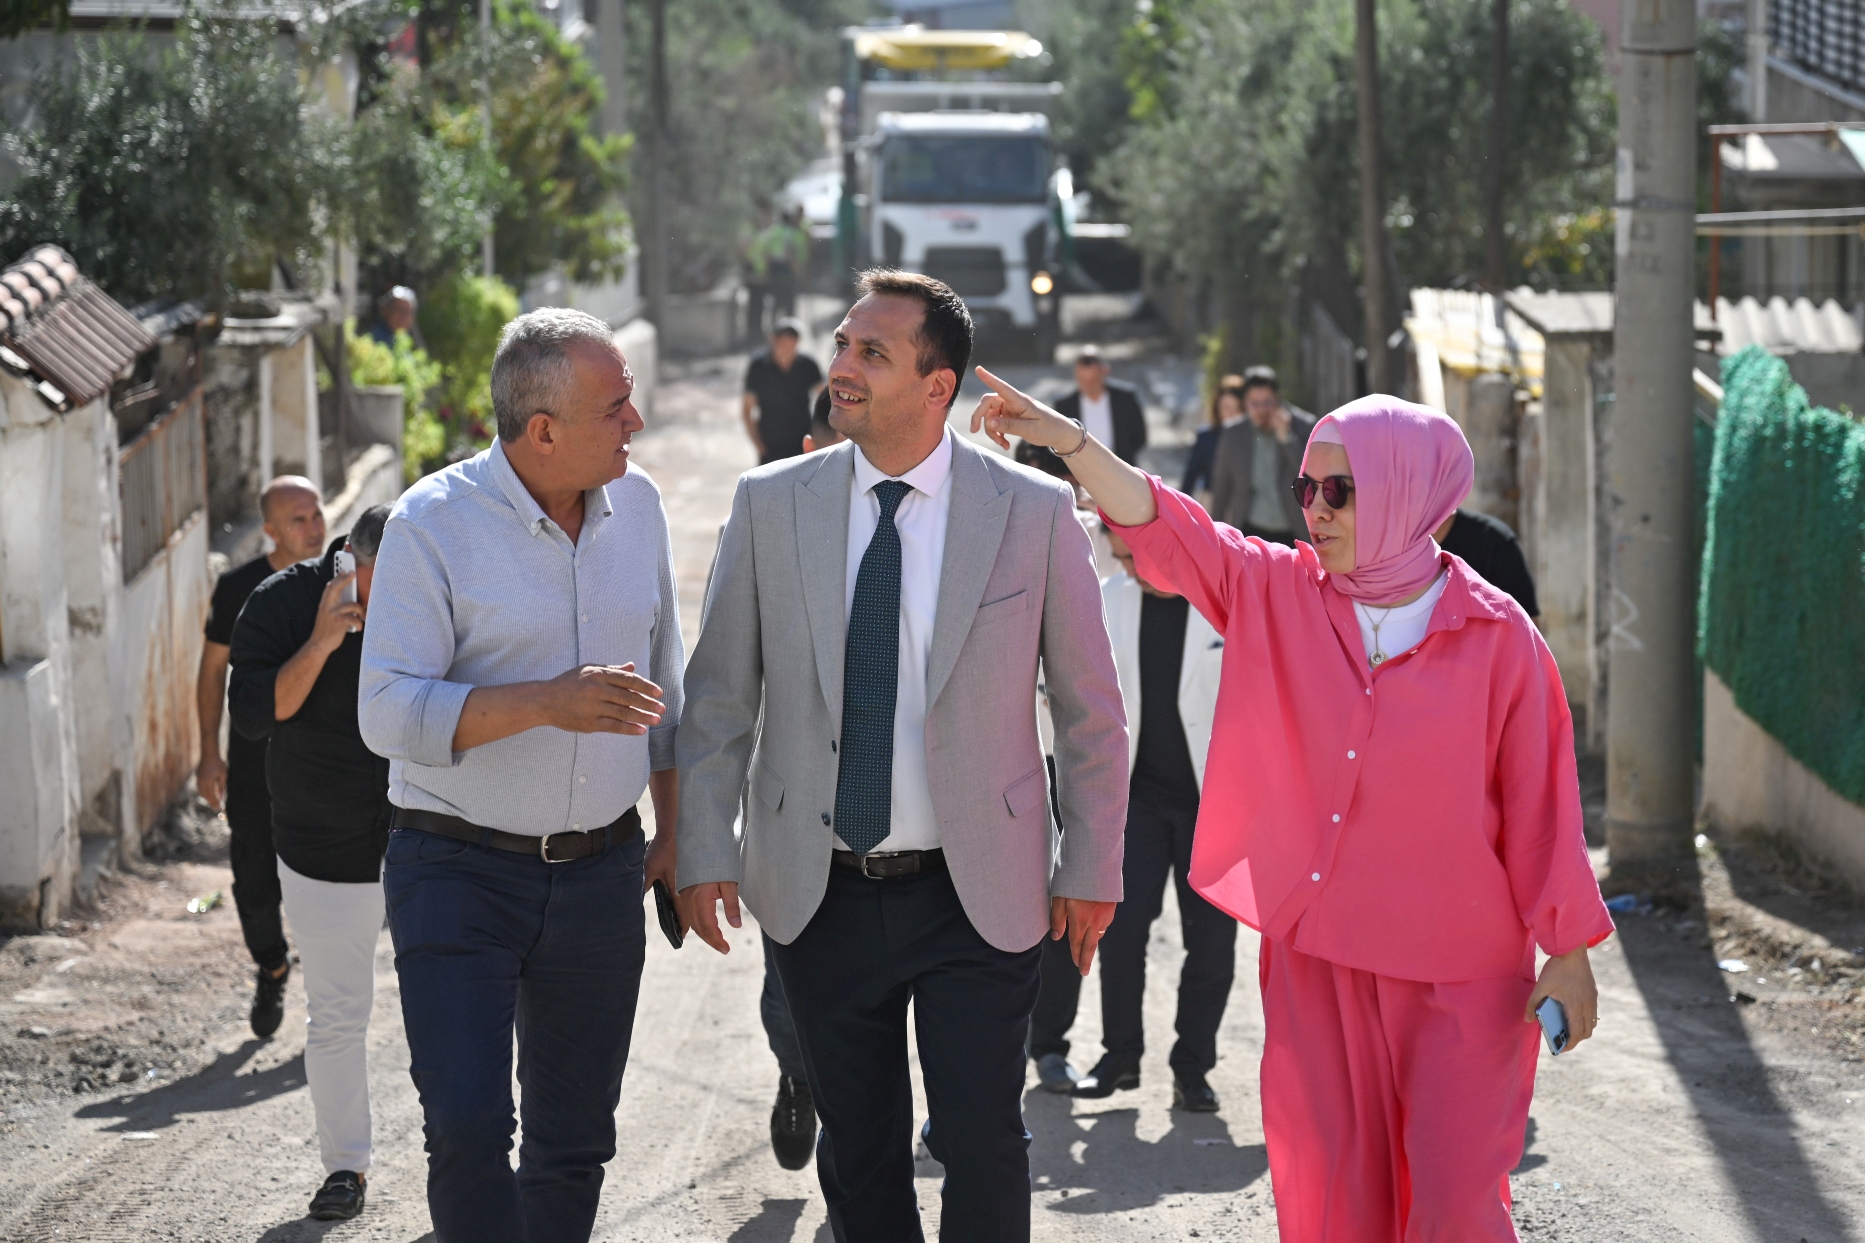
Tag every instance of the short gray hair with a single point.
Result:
(366, 535)
(532, 367)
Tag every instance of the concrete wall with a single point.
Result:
(1751, 782)
(292, 390)
(640, 345)
(164, 610)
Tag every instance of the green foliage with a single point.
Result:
(1080, 39)
(407, 366)
(1240, 163)
(208, 135)
(461, 321)
(1784, 580)
(744, 80)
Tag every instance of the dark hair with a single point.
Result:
(366, 534)
(1261, 377)
(945, 335)
(819, 425)
(1028, 453)
(1232, 384)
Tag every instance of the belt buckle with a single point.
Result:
(543, 850)
(891, 856)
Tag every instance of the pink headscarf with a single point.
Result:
(1411, 468)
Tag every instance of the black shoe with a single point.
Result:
(1105, 1079)
(1192, 1094)
(269, 1001)
(793, 1123)
(339, 1199)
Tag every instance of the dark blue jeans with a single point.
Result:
(485, 941)
(873, 946)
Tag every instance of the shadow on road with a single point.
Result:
(1705, 1041)
(304, 1230)
(214, 1089)
(775, 1223)
(1117, 1171)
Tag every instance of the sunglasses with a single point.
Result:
(1336, 490)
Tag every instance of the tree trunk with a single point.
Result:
(1495, 245)
(655, 251)
(1376, 293)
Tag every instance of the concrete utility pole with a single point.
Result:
(1373, 275)
(1757, 60)
(1651, 480)
(612, 60)
(656, 249)
(1495, 242)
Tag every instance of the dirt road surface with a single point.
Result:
(134, 1103)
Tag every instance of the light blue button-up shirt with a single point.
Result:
(475, 586)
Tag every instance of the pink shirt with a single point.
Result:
(1421, 820)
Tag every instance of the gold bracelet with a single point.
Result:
(1079, 446)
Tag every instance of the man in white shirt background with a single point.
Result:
(1111, 411)
(521, 672)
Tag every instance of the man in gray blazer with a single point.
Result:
(1257, 461)
(868, 662)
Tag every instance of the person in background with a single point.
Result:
(1226, 410)
(521, 673)
(1490, 548)
(395, 312)
(777, 260)
(822, 433)
(1110, 410)
(780, 384)
(293, 516)
(1256, 459)
(296, 654)
(1169, 659)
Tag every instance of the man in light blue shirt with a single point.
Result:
(523, 624)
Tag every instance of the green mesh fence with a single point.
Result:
(1781, 619)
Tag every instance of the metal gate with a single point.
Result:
(162, 477)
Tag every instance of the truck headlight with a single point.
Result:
(1041, 284)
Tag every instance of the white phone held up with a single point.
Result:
(346, 564)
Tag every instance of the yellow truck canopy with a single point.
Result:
(914, 47)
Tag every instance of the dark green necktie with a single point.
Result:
(864, 788)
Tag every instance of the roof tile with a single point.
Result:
(74, 336)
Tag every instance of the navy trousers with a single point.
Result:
(780, 1030)
(872, 947)
(487, 941)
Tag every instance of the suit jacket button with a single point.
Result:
(825, 817)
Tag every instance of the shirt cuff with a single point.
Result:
(661, 747)
(437, 718)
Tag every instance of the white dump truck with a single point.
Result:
(958, 178)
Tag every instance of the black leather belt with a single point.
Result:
(894, 865)
(552, 847)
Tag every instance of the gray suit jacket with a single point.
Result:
(764, 698)
(1233, 472)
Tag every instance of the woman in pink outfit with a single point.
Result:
(1391, 800)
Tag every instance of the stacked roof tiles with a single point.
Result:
(70, 335)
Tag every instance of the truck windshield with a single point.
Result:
(950, 168)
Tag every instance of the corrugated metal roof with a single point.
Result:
(1783, 327)
(71, 334)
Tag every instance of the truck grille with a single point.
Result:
(971, 271)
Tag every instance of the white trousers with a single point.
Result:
(335, 927)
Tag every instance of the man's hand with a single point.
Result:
(659, 865)
(1084, 922)
(702, 910)
(1569, 980)
(602, 699)
(210, 780)
(1280, 422)
(336, 619)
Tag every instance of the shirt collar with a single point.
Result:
(928, 477)
(596, 504)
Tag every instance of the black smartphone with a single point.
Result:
(669, 917)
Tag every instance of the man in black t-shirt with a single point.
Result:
(297, 656)
(1489, 547)
(780, 385)
(294, 520)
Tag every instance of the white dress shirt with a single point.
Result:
(475, 586)
(1097, 415)
(921, 521)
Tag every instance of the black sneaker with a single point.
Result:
(339, 1199)
(793, 1123)
(1107, 1078)
(269, 1002)
(1192, 1094)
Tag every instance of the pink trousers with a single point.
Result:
(1393, 1110)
